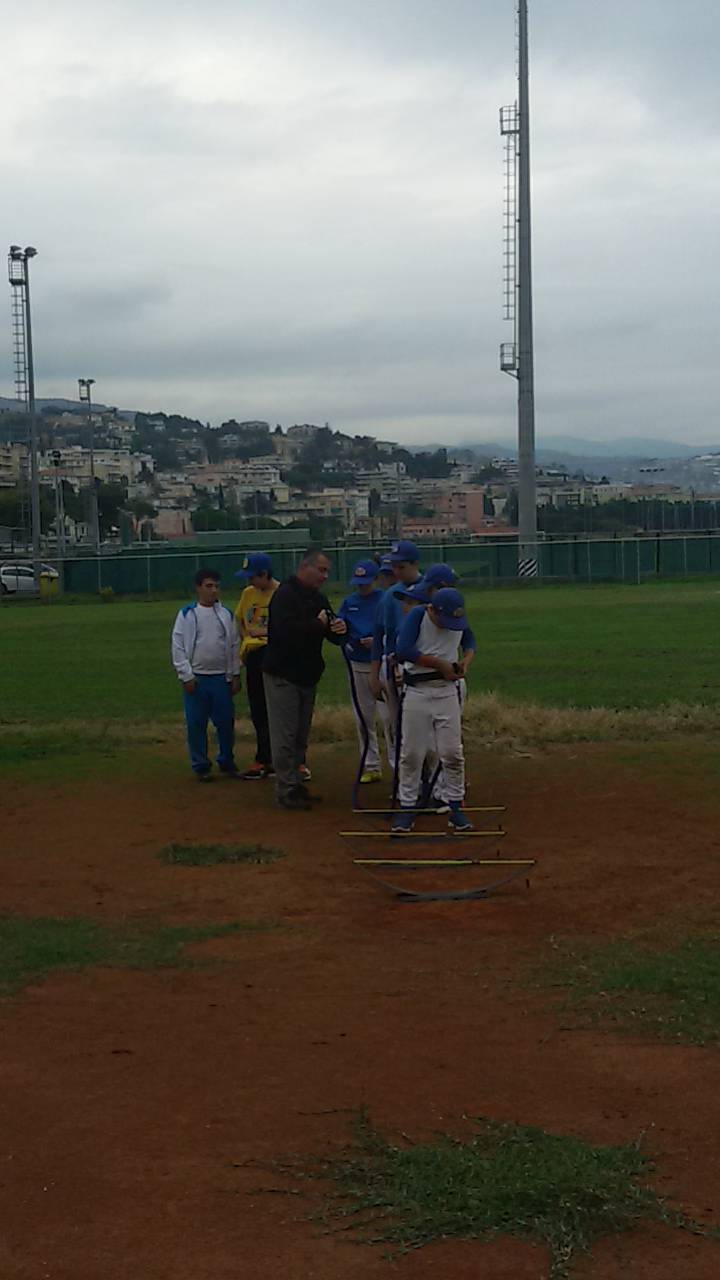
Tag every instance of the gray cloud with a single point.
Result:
(293, 210)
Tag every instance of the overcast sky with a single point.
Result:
(292, 209)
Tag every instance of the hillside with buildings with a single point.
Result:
(161, 476)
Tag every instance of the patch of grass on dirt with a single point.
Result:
(211, 855)
(672, 992)
(32, 948)
(59, 746)
(507, 1179)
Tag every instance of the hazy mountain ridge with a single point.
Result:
(558, 448)
(8, 405)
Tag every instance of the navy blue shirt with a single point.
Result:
(359, 614)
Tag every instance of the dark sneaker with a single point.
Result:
(458, 821)
(257, 772)
(403, 824)
(204, 777)
(233, 772)
(309, 796)
(295, 800)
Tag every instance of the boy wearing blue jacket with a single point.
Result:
(435, 646)
(358, 612)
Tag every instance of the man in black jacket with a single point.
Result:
(299, 619)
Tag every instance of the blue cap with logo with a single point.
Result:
(401, 550)
(440, 575)
(386, 565)
(255, 562)
(365, 571)
(449, 608)
(415, 592)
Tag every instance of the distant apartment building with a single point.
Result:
(302, 432)
(112, 466)
(508, 466)
(348, 505)
(433, 527)
(262, 474)
(13, 464)
(464, 505)
(172, 522)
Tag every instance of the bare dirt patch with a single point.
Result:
(140, 1110)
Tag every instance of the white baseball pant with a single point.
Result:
(431, 717)
(365, 720)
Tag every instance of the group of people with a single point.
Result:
(408, 647)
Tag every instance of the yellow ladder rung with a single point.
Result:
(444, 862)
(419, 835)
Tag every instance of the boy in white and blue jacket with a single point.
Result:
(358, 612)
(205, 655)
(435, 646)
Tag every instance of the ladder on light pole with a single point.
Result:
(517, 357)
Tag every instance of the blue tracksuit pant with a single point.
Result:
(212, 700)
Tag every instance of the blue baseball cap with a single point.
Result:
(400, 551)
(450, 609)
(415, 592)
(439, 575)
(386, 565)
(255, 562)
(365, 571)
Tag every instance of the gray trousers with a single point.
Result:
(290, 711)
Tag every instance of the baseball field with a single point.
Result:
(227, 1052)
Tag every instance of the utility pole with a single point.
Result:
(85, 386)
(399, 501)
(19, 276)
(59, 505)
(517, 357)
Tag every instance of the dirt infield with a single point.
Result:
(140, 1110)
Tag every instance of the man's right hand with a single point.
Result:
(375, 686)
(447, 670)
(189, 686)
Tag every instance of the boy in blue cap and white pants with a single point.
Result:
(404, 557)
(358, 612)
(429, 644)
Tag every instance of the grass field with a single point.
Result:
(613, 646)
(198, 992)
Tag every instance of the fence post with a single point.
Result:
(147, 569)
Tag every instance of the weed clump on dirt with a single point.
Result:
(30, 949)
(507, 1179)
(211, 855)
(641, 986)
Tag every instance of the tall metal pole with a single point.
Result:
(399, 517)
(34, 467)
(85, 386)
(527, 500)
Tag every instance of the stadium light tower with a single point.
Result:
(85, 386)
(19, 277)
(517, 357)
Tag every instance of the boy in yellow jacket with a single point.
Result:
(252, 619)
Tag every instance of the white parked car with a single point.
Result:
(18, 579)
